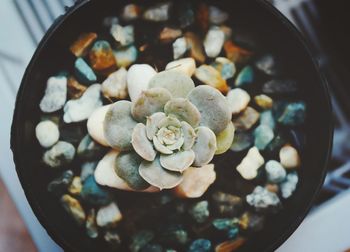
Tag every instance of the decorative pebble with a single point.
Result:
(174, 235)
(102, 58)
(267, 64)
(275, 172)
(201, 245)
(289, 157)
(186, 66)
(62, 153)
(168, 34)
(125, 56)
(90, 225)
(280, 87)
(249, 166)
(210, 76)
(55, 94)
(196, 181)
(263, 135)
(112, 237)
(242, 141)
(293, 114)
(73, 208)
(238, 100)
(115, 86)
(123, 35)
(277, 143)
(245, 77)
(130, 12)
(251, 222)
(225, 224)
(47, 133)
(94, 194)
(186, 15)
(200, 211)
(236, 53)
(179, 47)
(95, 125)
(194, 43)
(81, 46)
(227, 204)
(214, 42)
(59, 185)
(217, 16)
(231, 245)
(267, 118)
(87, 169)
(233, 233)
(263, 101)
(289, 185)
(75, 187)
(141, 239)
(158, 13)
(108, 216)
(138, 78)
(84, 72)
(75, 89)
(88, 149)
(247, 119)
(262, 199)
(225, 66)
(80, 109)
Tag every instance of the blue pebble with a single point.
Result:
(83, 72)
(94, 194)
(245, 77)
(293, 114)
(200, 245)
(263, 136)
(267, 118)
(232, 233)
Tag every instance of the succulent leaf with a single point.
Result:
(160, 147)
(184, 110)
(224, 139)
(204, 147)
(152, 124)
(179, 161)
(189, 136)
(141, 144)
(118, 126)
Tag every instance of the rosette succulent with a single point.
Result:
(171, 126)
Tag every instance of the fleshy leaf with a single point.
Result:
(160, 147)
(152, 124)
(179, 161)
(157, 176)
(224, 139)
(178, 84)
(118, 126)
(204, 147)
(150, 102)
(213, 107)
(127, 168)
(189, 136)
(141, 144)
(184, 110)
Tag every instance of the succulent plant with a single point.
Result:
(166, 130)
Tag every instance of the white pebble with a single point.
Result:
(123, 35)
(238, 100)
(250, 165)
(80, 109)
(108, 216)
(289, 185)
(214, 42)
(289, 157)
(261, 198)
(95, 125)
(275, 171)
(47, 133)
(186, 66)
(115, 85)
(138, 78)
(55, 94)
(179, 47)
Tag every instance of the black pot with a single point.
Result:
(256, 17)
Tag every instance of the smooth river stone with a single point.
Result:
(62, 153)
(47, 133)
(95, 125)
(214, 42)
(180, 47)
(289, 157)
(138, 78)
(263, 136)
(83, 72)
(115, 86)
(238, 100)
(126, 56)
(123, 35)
(108, 216)
(80, 109)
(212, 77)
(158, 13)
(186, 66)
(196, 181)
(81, 46)
(55, 94)
(245, 77)
(225, 66)
(130, 12)
(247, 119)
(275, 172)
(249, 166)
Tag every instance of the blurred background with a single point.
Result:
(325, 24)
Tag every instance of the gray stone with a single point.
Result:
(60, 154)
(55, 94)
(275, 172)
(263, 136)
(200, 211)
(201, 245)
(263, 200)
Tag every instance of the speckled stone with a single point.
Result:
(73, 208)
(242, 141)
(227, 204)
(247, 119)
(267, 64)
(263, 135)
(251, 222)
(75, 89)
(102, 58)
(75, 187)
(275, 172)
(55, 94)
(90, 225)
(60, 185)
(62, 153)
(83, 72)
(94, 194)
(225, 224)
(263, 200)
(115, 86)
(174, 235)
(201, 245)
(293, 114)
(81, 46)
(289, 185)
(124, 35)
(267, 118)
(200, 211)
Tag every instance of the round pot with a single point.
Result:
(255, 17)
